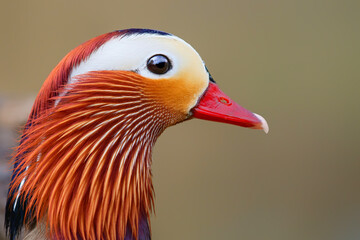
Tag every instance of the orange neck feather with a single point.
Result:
(87, 160)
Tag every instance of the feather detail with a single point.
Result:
(87, 160)
(14, 217)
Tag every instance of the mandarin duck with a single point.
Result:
(83, 166)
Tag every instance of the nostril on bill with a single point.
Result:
(224, 101)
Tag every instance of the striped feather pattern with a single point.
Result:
(87, 160)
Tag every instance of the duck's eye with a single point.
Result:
(159, 64)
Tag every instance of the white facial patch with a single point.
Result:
(131, 53)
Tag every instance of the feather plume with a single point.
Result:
(87, 159)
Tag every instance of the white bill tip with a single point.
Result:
(264, 124)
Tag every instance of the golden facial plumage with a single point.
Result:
(182, 90)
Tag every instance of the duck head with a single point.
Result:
(83, 164)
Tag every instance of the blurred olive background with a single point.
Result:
(297, 63)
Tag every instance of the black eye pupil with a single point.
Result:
(158, 64)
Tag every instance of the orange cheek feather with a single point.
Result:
(178, 94)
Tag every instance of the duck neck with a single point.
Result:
(88, 160)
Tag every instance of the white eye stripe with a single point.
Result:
(132, 54)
